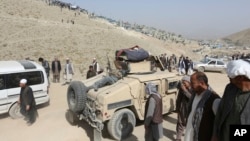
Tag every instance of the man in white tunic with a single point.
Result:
(68, 71)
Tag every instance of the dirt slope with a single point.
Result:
(31, 28)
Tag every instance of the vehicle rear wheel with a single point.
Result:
(76, 96)
(14, 111)
(122, 124)
(201, 69)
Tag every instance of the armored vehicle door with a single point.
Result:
(169, 93)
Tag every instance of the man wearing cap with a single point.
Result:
(27, 102)
(234, 108)
(184, 94)
(153, 114)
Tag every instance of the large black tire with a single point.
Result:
(14, 111)
(122, 124)
(76, 96)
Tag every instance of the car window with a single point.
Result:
(212, 63)
(220, 63)
(2, 82)
(205, 60)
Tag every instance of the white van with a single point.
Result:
(11, 72)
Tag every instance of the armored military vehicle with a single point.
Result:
(117, 106)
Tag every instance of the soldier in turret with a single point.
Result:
(113, 76)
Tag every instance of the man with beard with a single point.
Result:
(202, 109)
(234, 108)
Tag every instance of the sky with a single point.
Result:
(194, 19)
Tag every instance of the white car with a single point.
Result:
(211, 64)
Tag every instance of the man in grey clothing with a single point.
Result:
(153, 114)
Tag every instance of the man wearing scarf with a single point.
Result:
(202, 109)
(234, 108)
(153, 114)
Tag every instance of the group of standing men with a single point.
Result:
(207, 117)
(56, 69)
(185, 65)
(201, 112)
(68, 73)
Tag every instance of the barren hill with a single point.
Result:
(241, 38)
(32, 28)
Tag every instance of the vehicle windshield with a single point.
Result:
(205, 60)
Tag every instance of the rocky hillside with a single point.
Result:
(32, 28)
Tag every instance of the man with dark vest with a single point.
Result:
(234, 108)
(56, 69)
(184, 94)
(202, 109)
(153, 114)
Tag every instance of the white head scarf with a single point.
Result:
(238, 67)
(151, 89)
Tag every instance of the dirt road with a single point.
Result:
(53, 126)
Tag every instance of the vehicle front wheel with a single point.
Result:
(122, 124)
(14, 111)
